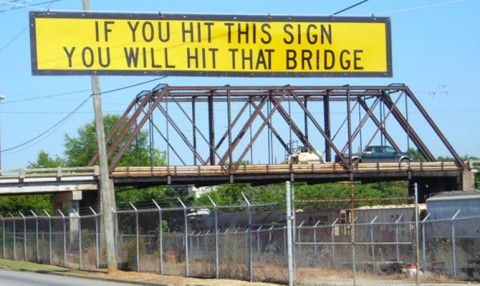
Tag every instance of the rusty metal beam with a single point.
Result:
(437, 130)
(129, 141)
(407, 127)
(319, 128)
(276, 106)
(244, 129)
(293, 125)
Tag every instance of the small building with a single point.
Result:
(460, 208)
(446, 204)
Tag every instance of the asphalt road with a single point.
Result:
(16, 278)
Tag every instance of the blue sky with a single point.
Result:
(435, 48)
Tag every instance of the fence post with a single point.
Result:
(289, 234)
(454, 248)
(215, 213)
(258, 242)
(137, 236)
(49, 237)
(24, 237)
(197, 252)
(205, 240)
(64, 219)
(3, 236)
(79, 239)
(160, 235)
(397, 236)
(424, 244)
(270, 239)
(190, 241)
(250, 259)
(315, 256)
(372, 242)
(97, 257)
(36, 235)
(13, 236)
(332, 234)
(299, 236)
(352, 233)
(185, 221)
(417, 247)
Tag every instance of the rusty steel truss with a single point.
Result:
(234, 125)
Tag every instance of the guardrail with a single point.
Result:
(201, 170)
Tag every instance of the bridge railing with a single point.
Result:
(50, 172)
(201, 170)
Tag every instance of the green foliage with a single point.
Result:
(162, 195)
(45, 161)
(232, 193)
(24, 204)
(416, 155)
(79, 150)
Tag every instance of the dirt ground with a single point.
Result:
(174, 280)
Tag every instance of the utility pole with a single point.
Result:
(106, 195)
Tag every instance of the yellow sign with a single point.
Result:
(209, 45)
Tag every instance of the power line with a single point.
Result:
(47, 96)
(63, 120)
(81, 91)
(22, 6)
(58, 124)
(421, 7)
(14, 38)
(350, 7)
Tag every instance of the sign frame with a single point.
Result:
(202, 17)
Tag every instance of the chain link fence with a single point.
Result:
(336, 242)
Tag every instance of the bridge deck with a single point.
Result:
(208, 175)
(84, 179)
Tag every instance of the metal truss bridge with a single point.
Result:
(221, 134)
(217, 134)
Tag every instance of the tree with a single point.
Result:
(416, 155)
(79, 150)
(45, 161)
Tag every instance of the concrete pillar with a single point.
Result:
(73, 199)
(468, 180)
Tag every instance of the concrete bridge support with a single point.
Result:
(428, 186)
(73, 199)
(468, 180)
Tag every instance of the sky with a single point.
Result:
(435, 51)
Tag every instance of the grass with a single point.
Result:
(24, 265)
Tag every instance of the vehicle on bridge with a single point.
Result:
(305, 156)
(376, 153)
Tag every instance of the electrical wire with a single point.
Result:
(350, 7)
(421, 7)
(23, 6)
(63, 120)
(58, 124)
(47, 96)
(13, 39)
